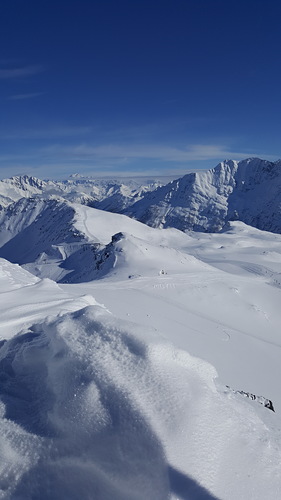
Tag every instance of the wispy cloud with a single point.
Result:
(125, 153)
(20, 72)
(19, 97)
(113, 160)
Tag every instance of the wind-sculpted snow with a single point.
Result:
(26, 299)
(94, 407)
(13, 276)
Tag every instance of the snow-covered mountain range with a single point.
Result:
(107, 194)
(139, 362)
(249, 191)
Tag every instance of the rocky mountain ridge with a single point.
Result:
(106, 194)
(249, 191)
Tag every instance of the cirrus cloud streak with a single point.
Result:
(195, 152)
(20, 72)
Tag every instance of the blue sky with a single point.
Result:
(108, 87)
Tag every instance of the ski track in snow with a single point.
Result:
(84, 222)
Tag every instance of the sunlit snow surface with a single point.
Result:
(101, 395)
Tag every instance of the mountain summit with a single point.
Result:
(248, 191)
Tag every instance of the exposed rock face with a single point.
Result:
(249, 191)
(267, 403)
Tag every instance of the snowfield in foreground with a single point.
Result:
(115, 388)
(99, 408)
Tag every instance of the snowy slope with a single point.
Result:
(127, 257)
(67, 242)
(102, 392)
(226, 275)
(249, 191)
(218, 298)
(39, 231)
(226, 283)
(96, 407)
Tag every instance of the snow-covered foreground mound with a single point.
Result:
(98, 408)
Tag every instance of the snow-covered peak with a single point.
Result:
(248, 190)
(20, 186)
(108, 194)
(24, 181)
